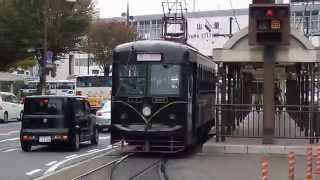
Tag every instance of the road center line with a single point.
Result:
(54, 167)
(105, 137)
(33, 172)
(9, 150)
(92, 150)
(11, 139)
(12, 132)
(71, 156)
(51, 163)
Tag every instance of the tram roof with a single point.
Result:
(172, 52)
(152, 45)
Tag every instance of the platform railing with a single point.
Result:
(246, 120)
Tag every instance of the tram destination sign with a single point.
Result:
(148, 57)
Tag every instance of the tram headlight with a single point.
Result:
(146, 111)
(172, 116)
(123, 116)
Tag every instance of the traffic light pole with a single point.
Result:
(268, 94)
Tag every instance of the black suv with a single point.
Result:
(50, 120)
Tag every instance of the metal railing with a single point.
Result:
(246, 120)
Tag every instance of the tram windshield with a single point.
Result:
(132, 80)
(163, 80)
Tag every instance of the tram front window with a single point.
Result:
(165, 80)
(132, 80)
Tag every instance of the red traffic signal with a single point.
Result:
(269, 24)
(270, 12)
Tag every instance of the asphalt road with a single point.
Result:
(231, 166)
(18, 165)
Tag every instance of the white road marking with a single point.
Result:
(33, 172)
(9, 150)
(71, 156)
(104, 137)
(92, 150)
(11, 139)
(12, 132)
(9, 133)
(51, 163)
(54, 167)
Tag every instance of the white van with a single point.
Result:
(10, 108)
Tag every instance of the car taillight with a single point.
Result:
(78, 93)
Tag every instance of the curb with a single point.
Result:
(221, 148)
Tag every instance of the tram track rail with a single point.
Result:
(147, 171)
(103, 168)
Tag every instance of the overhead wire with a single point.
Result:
(234, 14)
(306, 3)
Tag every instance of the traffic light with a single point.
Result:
(269, 24)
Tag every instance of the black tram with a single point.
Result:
(162, 96)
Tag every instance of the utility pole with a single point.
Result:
(263, 2)
(43, 70)
(128, 16)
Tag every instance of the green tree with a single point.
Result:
(19, 30)
(104, 37)
(21, 27)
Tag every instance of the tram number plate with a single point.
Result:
(44, 139)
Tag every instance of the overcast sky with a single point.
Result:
(114, 8)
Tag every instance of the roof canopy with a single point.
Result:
(237, 49)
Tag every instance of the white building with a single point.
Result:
(75, 64)
(206, 30)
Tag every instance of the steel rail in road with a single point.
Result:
(117, 161)
(141, 173)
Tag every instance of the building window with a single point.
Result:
(95, 71)
(83, 62)
(216, 25)
(199, 26)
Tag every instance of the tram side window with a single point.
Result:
(205, 80)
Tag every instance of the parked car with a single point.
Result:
(53, 120)
(10, 108)
(103, 116)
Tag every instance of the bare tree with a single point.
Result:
(104, 37)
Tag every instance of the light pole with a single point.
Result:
(43, 68)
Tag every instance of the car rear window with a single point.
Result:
(43, 106)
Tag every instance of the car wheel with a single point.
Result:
(95, 137)
(5, 117)
(26, 147)
(75, 144)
